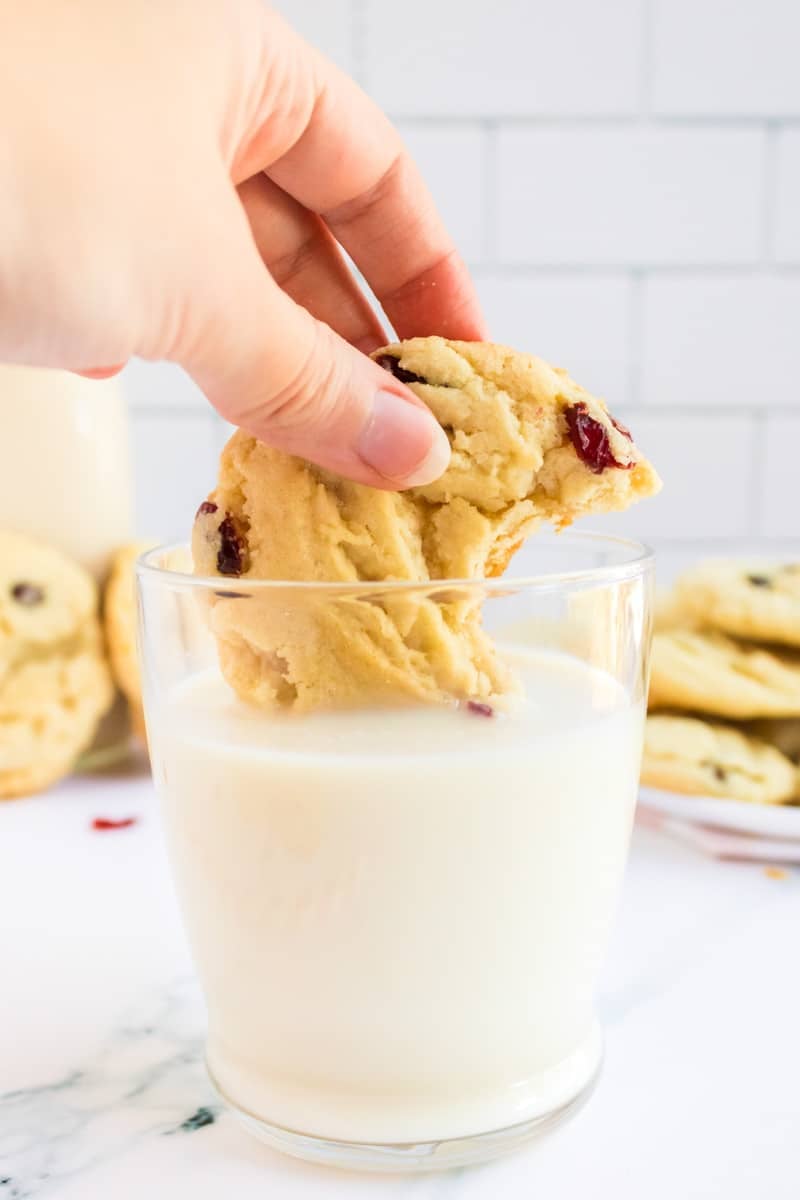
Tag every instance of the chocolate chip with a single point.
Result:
(29, 594)
(232, 556)
(760, 581)
(208, 506)
(392, 365)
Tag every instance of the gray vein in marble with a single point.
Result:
(146, 1080)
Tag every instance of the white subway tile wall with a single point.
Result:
(787, 197)
(624, 178)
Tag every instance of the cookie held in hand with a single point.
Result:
(528, 445)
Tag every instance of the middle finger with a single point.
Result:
(305, 260)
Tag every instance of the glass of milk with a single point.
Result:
(398, 914)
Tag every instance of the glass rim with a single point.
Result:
(640, 558)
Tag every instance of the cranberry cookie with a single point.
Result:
(119, 610)
(711, 673)
(685, 754)
(528, 445)
(54, 682)
(751, 600)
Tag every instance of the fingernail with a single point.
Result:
(402, 442)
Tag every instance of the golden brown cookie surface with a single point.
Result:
(686, 754)
(755, 600)
(528, 445)
(711, 673)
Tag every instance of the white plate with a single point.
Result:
(763, 820)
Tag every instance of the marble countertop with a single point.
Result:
(102, 1090)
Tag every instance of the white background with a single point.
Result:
(624, 178)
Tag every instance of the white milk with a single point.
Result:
(64, 471)
(398, 917)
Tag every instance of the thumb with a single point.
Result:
(268, 366)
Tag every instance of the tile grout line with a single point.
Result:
(769, 179)
(646, 58)
(758, 470)
(536, 268)
(717, 412)
(707, 122)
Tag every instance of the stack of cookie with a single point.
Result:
(57, 669)
(724, 709)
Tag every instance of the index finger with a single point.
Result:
(350, 166)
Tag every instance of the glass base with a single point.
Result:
(409, 1157)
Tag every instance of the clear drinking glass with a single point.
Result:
(398, 914)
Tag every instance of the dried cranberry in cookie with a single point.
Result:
(392, 365)
(219, 541)
(28, 594)
(233, 557)
(590, 437)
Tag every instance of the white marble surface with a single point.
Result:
(101, 1026)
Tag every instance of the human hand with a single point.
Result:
(179, 173)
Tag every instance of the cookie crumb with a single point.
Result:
(776, 873)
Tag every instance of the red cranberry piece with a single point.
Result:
(29, 594)
(590, 440)
(392, 365)
(103, 824)
(207, 507)
(480, 708)
(232, 556)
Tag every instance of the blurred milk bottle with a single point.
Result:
(65, 477)
(65, 473)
